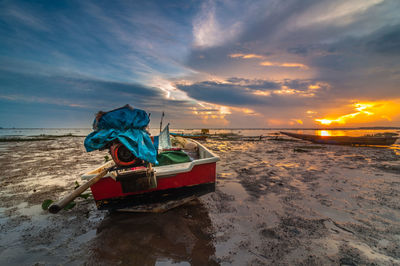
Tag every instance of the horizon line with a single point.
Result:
(231, 128)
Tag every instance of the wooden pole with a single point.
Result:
(56, 207)
(162, 116)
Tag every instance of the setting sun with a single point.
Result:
(324, 133)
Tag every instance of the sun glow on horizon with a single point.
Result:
(324, 133)
(366, 112)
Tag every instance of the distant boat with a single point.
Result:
(189, 136)
(346, 140)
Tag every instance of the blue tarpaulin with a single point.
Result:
(128, 126)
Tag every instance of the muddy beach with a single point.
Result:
(277, 203)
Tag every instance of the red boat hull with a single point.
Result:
(108, 193)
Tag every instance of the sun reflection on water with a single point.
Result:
(324, 133)
(330, 133)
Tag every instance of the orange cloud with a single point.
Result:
(276, 122)
(310, 92)
(268, 63)
(262, 93)
(212, 115)
(246, 56)
(298, 65)
(365, 112)
(215, 115)
(284, 122)
(298, 121)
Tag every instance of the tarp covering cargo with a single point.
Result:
(172, 157)
(128, 126)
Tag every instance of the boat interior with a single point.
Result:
(196, 151)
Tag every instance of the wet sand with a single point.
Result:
(277, 203)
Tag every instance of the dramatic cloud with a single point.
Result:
(210, 30)
(245, 92)
(216, 63)
(22, 93)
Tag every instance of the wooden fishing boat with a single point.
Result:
(189, 136)
(345, 140)
(130, 179)
(124, 188)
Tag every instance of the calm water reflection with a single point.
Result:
(180, 236)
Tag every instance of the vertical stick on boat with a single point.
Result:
(162, 116)
(56, 207)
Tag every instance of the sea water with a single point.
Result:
(25, 132)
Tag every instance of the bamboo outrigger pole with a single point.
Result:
(56, 207)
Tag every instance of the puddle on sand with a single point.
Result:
(181, 236)
(236, 189)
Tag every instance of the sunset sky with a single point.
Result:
(215, 64)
